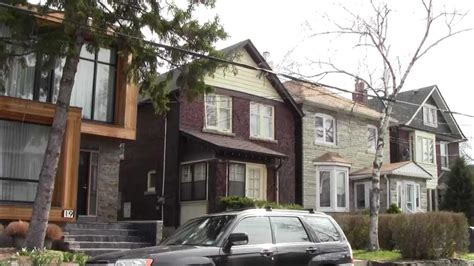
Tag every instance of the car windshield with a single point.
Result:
(203, 231)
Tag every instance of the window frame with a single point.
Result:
(228, 177)
(263, 182)
(366, 185)
(334, 170)
(430, 115)
(402, 196)
(150, 189)
(206, 180)
(323, 140)
(369, 144)
(260, 120)
(218, 100)
(419, 149)
(444, 156)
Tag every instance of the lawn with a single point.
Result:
(469, 256)
(381, 255)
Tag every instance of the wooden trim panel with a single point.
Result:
(65, 190)
(112, 131)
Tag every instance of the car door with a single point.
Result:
(259, 250)
(293, 244)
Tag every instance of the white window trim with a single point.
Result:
(418, 157)
(427, 111)
(218, 119)
(370, 149)
(446, 150)
(263, 182)
(367, 185)
(260, 121)
(323, 141)
(333, 193)
(401, 186)
(149, 188)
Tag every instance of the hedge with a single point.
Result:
(418, 236)
(236, 202)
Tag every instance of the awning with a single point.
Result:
(408, 169)
(232, 143)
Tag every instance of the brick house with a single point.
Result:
(338, 148)
(237, 140)
(426, 135)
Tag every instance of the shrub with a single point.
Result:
(17, 228)
(393, 209)
(236, 202)
(386, 230)
(356, 229)
(54, 232)
(2, 229)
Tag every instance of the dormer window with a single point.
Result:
(430, 117)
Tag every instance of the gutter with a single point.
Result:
(164, 168)
(277, 185)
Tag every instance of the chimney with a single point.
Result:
(268, 59)
(360, 94)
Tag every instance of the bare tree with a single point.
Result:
(372, 34)
(464, 149)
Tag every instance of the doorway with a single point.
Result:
(87, 183)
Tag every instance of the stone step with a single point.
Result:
(104, 238)
(94, 232)
(80, 245)
(98, 251)
(100, 226)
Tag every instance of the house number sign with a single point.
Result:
(68, 213)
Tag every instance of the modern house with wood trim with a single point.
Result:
(102, 115)
(238, 140)
(427, 134)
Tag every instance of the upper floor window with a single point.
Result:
(372, 135)
(430, 117)
(193, 181)
(425, 152)
(332, 188)
(262, 121)
(325, 129)
(443, 154)
(218, 112)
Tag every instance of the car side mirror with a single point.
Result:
(236, 239)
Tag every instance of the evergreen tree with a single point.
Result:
(60, 28)
(460, 192)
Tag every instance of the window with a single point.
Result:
(430, 117)
(444, 155)
(218, 110)
(257, 228)
(323, 228)
(151, 181)
(372, 138)
(22, 148)
(425, 150)
(332, 188)
(408, 196)
(325, 129)
(362, 195)
(261, 121)
(247, 180)
(193, 181)
(288, 230)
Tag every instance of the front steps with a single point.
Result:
(94, 238)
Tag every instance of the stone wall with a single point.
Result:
(351, 144)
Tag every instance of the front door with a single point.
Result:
(87, 183)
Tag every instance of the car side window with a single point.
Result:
(323, 228)
(288, 230)
(257, 228)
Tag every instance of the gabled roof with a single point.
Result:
(231, 143)
(407, 168)
(411, 103)
(326, 99)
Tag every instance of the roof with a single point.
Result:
(327, 99)
(331, 157)
(407, 168)
(232, 143)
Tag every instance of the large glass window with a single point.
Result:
(325, 129)
(288, 230)
(247, 180)
(193, 181)
(218, 112)
(22, 148)
(257, 228)
(261, 121)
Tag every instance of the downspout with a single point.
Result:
(164, 169)
(277, 185)
(388, 190)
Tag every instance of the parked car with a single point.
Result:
(249, 237)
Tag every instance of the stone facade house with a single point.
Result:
(238, 140)
(426, 134)
(338, 148)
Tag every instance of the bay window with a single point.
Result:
(332, 185)
(193, 185)
(22, 148)
(262, 121)
(443, 153)
(325, 129)
(247, 180)
(218, 112)
(430, 117)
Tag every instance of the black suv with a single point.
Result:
(250, 237)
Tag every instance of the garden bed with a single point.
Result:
(9, 256)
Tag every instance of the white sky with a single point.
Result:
(279, 26)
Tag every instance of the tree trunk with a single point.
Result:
(44, 192)
(377, 165)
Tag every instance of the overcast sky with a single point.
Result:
(281, 26)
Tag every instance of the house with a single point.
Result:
(102, 115)
(238, 140)
(338, 145)
(426, 134)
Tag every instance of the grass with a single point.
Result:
(469, 256)
(381, 255)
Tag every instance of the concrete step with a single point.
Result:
(94, 232)
(107, 245)
(104, 238)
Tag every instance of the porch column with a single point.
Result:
(435, 199)
(430, 207)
